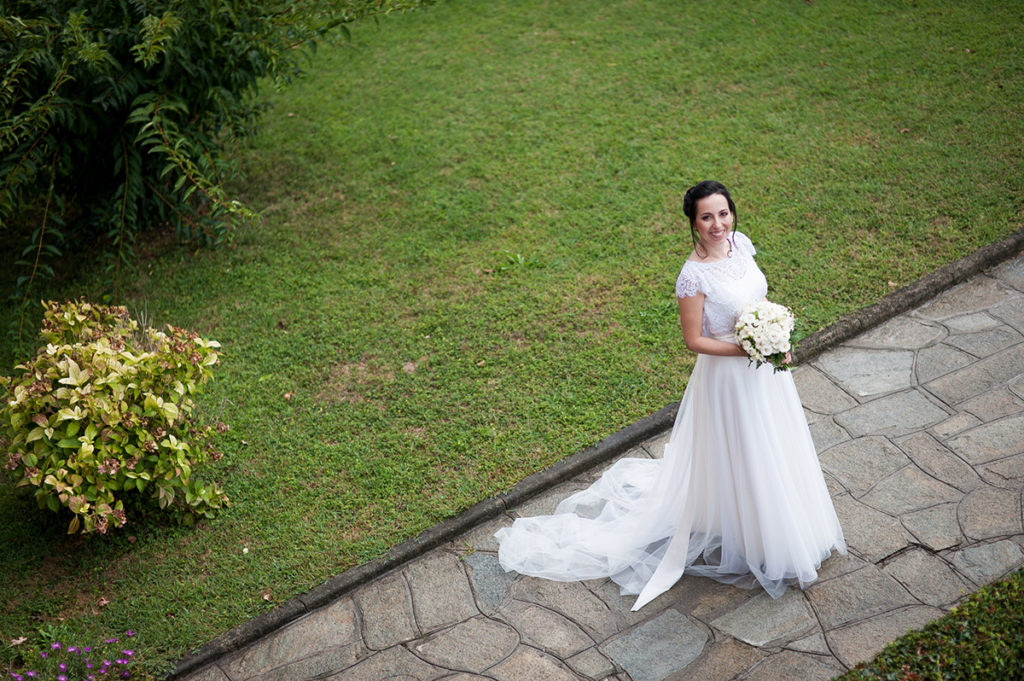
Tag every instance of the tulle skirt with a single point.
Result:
(738, 497)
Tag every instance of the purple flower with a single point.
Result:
(17, 677)
(86, 649)
(129, 633)
(55, 646)
(74, 649)
(31, 674)
(110, 640)
(62, 677)
(126, 675)
(62, 666)
(128, 653)
(122, 660)
(42, 654)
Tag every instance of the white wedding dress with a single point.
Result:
(738, 496)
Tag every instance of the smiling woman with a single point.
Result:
(424, 153)
(738, 496)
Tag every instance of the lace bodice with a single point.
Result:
(727, 285)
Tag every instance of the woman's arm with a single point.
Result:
(691, 313)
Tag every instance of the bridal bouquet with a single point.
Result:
(763, 330)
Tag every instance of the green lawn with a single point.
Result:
(471, 227)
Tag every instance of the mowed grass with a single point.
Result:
(471, 227)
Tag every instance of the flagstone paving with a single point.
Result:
(919, 424)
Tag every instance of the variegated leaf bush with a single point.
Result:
(104, 415)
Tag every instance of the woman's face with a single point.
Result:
(713, 221)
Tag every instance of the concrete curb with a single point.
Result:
(608, 448)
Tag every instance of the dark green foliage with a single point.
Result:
(115, 114)
(981, 639)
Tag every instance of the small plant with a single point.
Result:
(109, 659)
(105, 412)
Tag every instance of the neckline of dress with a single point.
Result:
(727, 258)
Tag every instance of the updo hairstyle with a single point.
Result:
(702, 190)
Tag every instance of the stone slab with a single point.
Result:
(977, 377)
(1011, 312)
(545, 629)
(859, 464)
(572, 600)
(655, 447)
(489, 580)
(974, 295)
(333, 627)
(591, 664)
(471, 646)
(387, 615)
(328, 661)
(986, 563)
(860, 642)
(938, 462)
(621, 605)
(927, 577)
(725, 659)
(530, 663)
(901, 332)
(657, 648)
(896, 414)
(1016, 386)
(839, 564)
(939, 360)
(990, 441)
(955, 424)
(936, 528)
(792, 666)
(481, 537)
(818, 393)
(985, 343)
(868, 372)
(835, 488)
(546, 502)
(763, 620)
(994, 404)
(869, 533)
(1006, 473)
(815, 643)
(395, 663)
(826, 434)
(705, 599)
(441, 595)
(969, 323)
(909, 489)
(1010, 272)
(990, 512)
(857, 596)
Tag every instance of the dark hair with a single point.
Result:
(702, 190)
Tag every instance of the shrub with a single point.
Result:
(982, 639)
(114, 114)
(104, 412)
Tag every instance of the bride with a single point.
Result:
(738, 496)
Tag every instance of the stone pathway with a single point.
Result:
(920, 428)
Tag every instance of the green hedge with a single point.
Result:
(980, 640)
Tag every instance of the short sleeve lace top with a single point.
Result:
(727, 285)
